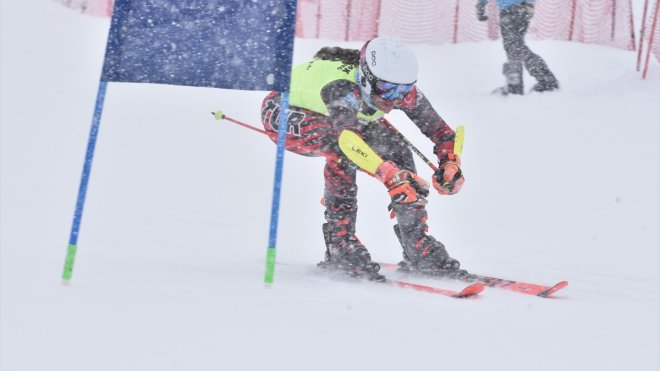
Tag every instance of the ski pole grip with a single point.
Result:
(458, 141)
(219, 115)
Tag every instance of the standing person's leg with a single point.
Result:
(513, 39)
(536, 66)
(518, 19)
(420, 250)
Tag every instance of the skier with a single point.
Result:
(515, 16)
(346, 89)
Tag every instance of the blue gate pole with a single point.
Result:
(82, 189)
(277, 186)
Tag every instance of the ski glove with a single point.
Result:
(403, 186)
(481, 11)
(448, 179)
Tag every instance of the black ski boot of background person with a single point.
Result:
(513, 73)
(347, 254)
(545, 86)
(545, 79)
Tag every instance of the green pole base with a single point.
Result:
(68, 264)
(270, 266)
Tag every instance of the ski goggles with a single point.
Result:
(392, 91)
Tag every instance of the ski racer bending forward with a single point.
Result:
(344, 90)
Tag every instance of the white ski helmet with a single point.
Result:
(388, 60)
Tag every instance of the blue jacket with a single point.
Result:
(503, 4)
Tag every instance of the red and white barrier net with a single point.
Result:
(94, 7)
(653, 30)
(649, 35)
(605, 22)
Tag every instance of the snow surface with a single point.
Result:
(169, 275)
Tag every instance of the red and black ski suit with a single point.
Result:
(314, 134)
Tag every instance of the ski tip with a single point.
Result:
(472, 290)
(66, 282)
(553, 289)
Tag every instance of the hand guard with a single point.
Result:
(481, 11)
(448, 179)
(403, 186)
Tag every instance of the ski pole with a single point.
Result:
(410, 145)
(458, 143)
(219, 115)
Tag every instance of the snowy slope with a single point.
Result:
(170, 262)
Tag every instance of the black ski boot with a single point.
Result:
(513, 72)
(431, 259)
(344, 251)
(349, 255)
(545, 79)
(509, 90)
(421, 252)
(543, 86)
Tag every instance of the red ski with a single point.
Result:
(471, 290)
(516, 286)
(468, 291)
